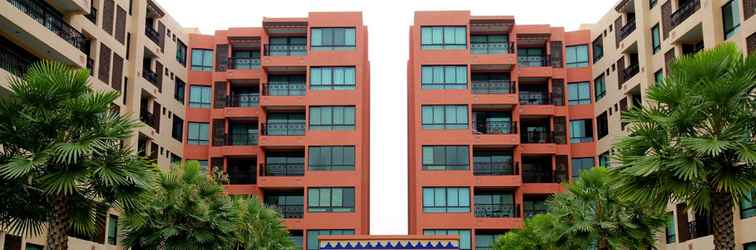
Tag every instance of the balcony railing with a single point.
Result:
(535, 211)
(283, 169)
(495, 168)
(243, 100)
(285, 89)
(291, 128)
(492, 48)
(535, 98)
(243, 139)
(152, 34)
(538, 137)
(630, 71)
(494, 87)
(543, 176)
(46, 15)
(534, 61)
(151, 77)
(288, 211)
(495, 128)
(14, 60)
(245, 63)
(626, 30)
(683, 12)
(147, 118)
(241, 178)
(697, 231)
(285, 49)
(497, 210)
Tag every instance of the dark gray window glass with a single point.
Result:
(445, 158)
(330, 200)
(446, 200)
(444, 116)
(332, 118)
(331, 158)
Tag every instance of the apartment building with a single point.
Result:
(499, 115)
(632, 47)
(284, 110)
(130, 46)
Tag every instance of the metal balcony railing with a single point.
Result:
(288, 211)
(492, 48)
(537, 137)
(284, 89)
(283, 169)
(683, 12)
(147, 118)
(493, 87)
(285, 50)
(543, 176)
(497, 210)
(495, 168)
(244, 63)
(152, 34)
(630, 71)
(53, 20)
(626, 30)
(495, 128)
(534, 61)
(243, 100)
(535, 98)
(241, 178)
(151, 76)
(242, 139)
(289, 128)
(696, 230)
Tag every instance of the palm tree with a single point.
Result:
(695, 143)
(590, 214)
(62, 159)
(188, 211)
(261, 228)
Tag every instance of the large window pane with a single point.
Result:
(579, 93)
(331, 158)
(332, 117)
(333, 38)
(444, 116)
(332, 78)
(443, 37)
(446, 200)
(197, 133)
(444, 77)
(199, 96)
(731, 18)
(577, 56)
(330, 200)
(202, 60)
(581, 164)
(445, 158)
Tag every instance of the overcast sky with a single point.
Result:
(387, 21)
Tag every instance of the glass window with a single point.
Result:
(669, 230)
(202, 60)
(197, 133)
(181, 52)
(333, 38)
(297, 238)
(464, 236)
(199, 96)
(332, 117)
(659, 76)
(331, 158)
(579, 93)
(605, 160)
(651, 3)
(444, 116)
(332, 78)
(533, 207)
(598, 49)
(443, 37)
(444, 77)
(203, 166)
(446, 200)
(494, 204)
(330, 200)
(581, 131)
(177, 129)
(655, 39)
(579, 165)
(113, 230)
(531, 57)
(748, 205)
(445, 158)
(485, 241)
(730, 18)
(600, 85)
(30, 246)
(602, 125)
(179, 90)
(312, 236)
(750, 246)
(577, 56)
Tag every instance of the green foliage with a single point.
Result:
(191, 211)
(697, 138)
(589, 214)
(61, 149)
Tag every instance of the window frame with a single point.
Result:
(748, 212)
(734, 10)
(445, 110)
(205, 96)
(659, 76)
(443, 44)
(181, 50)
(198, 127)
(332, 114)
(330, 163)
(445, 72)
(332, 206)
(446, 164)
(112, 237)
(577, 62)
(598, 48)
(599, 92)
(435, 205)
(605, 157)
(579, 99)
(332, 32)
(207, 54)
(587, 131)
(670, 236)
(602, 125)
(655, 39)
(581, 166)
(177, 128)
(179, 90)
(332, 73)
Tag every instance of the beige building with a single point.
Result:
(638, 39)
(130, 46)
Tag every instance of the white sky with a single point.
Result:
(387, 21)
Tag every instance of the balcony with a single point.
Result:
(537, 137)
(288, 211)
(493, 87)
(283, 169)
(488, 48)
(630, 71)
(495, 168)
(14, 59)
(242, 139)
(152, 34)
(151, 76)
(535, 98)
(90, 66)
(53, 20)
(699, 229)
(285, 50)
(684, 11)
(285, 89)
(245, 63)
(243, 100)
(534, 61)
(242, 171)
(497, 210)
(284, 128)
(627, 30)
(147, 118)
(495, 127)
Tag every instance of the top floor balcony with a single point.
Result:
(286, 46)
(685, 9)
(53, 20)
